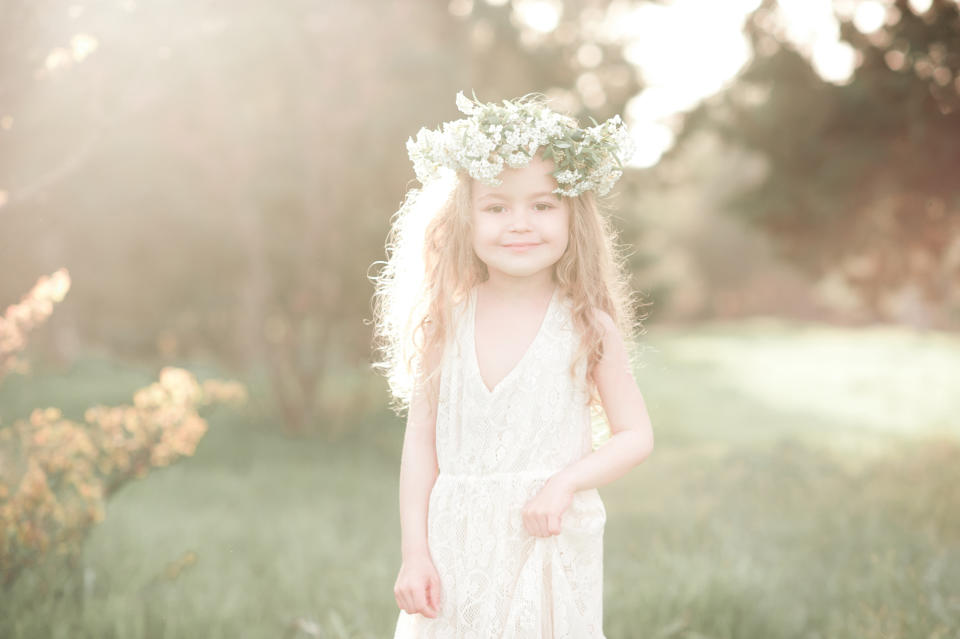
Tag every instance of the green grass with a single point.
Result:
(804, 485)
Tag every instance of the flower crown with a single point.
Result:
(493, 136)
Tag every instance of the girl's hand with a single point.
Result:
(542, 515)
(418, 586)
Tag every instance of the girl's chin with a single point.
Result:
(507, 270)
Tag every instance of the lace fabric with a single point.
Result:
(495, 449)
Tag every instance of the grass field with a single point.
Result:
(805, 484)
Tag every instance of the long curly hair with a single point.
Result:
(431, 267)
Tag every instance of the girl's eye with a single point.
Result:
(540, 206)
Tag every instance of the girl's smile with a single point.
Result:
(522, 247)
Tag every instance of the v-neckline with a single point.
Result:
(489, 392)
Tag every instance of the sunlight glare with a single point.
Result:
(834, 61)
(659, 40)
(869, 16)
(807, 22)
(658, 102)
(58, 57)
(813, 28)
(416, 212)
(83, 45)
(920, 6)
(663, 38)
(881, 379)
(539, 15)
(651, 139)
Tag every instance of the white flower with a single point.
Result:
(518, 160)
(465, 105)
(484, 149)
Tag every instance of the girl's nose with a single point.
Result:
(520, 219)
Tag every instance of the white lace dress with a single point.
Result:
(495, 450)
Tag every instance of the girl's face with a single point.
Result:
(520, 228)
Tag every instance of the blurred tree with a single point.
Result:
(226, 178)
(558, 48)
(861, 180)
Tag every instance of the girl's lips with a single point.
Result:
(521, 246)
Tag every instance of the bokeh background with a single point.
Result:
(217, 179)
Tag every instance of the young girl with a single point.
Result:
(501, 314)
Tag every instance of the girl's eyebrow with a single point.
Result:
(532, 197)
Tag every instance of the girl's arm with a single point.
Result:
(632, 434)
(418, 467)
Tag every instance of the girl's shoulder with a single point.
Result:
(604, 320)
(600, 318)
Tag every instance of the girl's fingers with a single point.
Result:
(543, 525)
(554, 525)
(423, 602)
(431, 608)
(428, 600)
(435, 593)
(402, 600)
(420, 600)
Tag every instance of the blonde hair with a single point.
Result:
(431, 267)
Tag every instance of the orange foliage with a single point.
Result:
(56, 474)
(19, 319)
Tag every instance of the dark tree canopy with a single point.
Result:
(862, 176)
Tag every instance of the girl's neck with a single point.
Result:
(514, 289)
